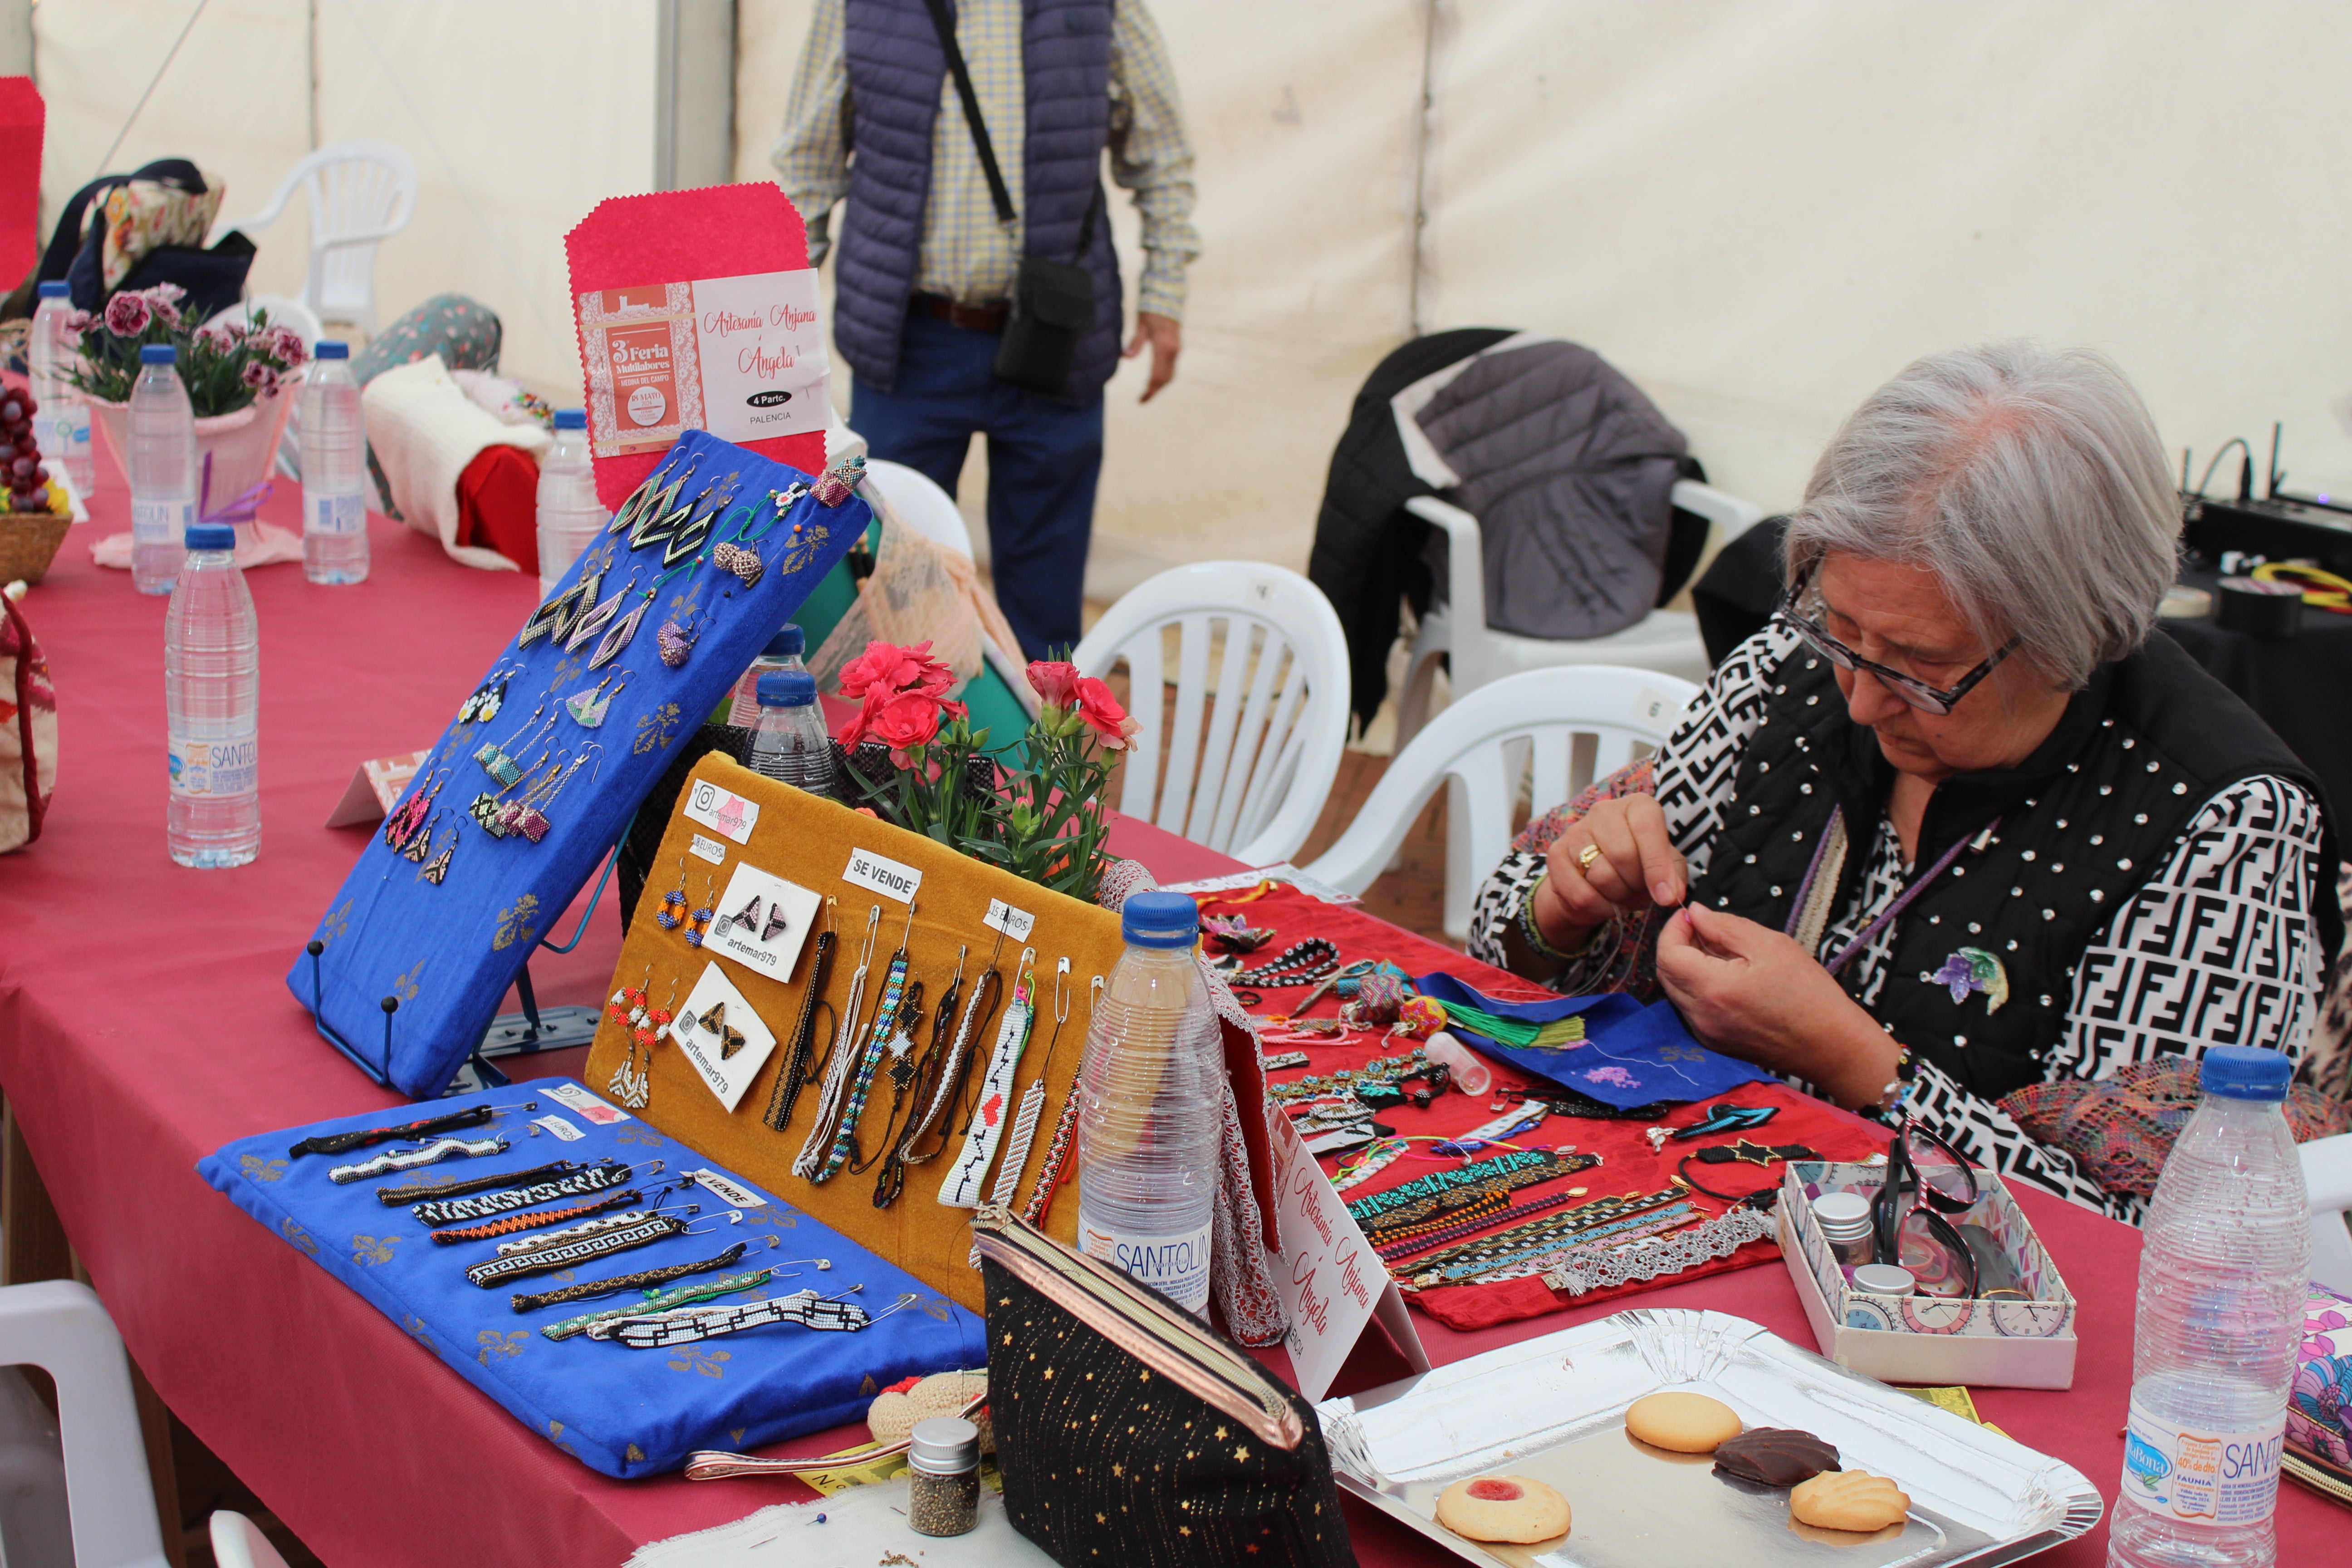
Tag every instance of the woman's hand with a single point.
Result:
(1749, 992)
(1630, 866)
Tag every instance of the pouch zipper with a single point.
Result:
(1164, 1340)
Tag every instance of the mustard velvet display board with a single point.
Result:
(735, 835)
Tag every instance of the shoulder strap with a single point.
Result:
(943, 22)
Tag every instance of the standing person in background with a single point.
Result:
(927, 269)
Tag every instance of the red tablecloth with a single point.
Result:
(143, 1022)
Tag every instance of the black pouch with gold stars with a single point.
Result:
(1130, 1433)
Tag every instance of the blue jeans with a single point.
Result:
(1044, 458)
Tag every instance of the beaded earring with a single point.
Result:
(841, 481)
(593, 621)
(532, 820)
(676, 640)
(588, 708)
(654, 495)
(673, 909)
(486, 806)
(420, 843)
(489, 697)
(436, 870)
(690, 534)
(410, 814)
(698, 922)
(497, 757)
(555, 617)
(509, 816)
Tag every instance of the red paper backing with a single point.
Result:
(672, 237)
(1628, 1165)
(22, 117)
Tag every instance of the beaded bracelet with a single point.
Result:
(1438, 1234)
(1532, 934)
(1437, 1270)
(1608, 1240)
(1600, 1211)
(1301, 964)
(1528, 1166)
(1383, 1070)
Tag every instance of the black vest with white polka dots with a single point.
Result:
(2058, 845)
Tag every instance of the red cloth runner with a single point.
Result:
(1628, 1163)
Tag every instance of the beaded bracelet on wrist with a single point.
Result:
(1532, 934)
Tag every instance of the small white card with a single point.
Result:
(883, 875)
(723, 809)
(708, 849)
(762, 921)
(1329, 1278)
(706, 1030)
(585, 1104)
(728, 1190)
(1014, 924)
(561, 1128)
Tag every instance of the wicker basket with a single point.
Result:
(28, 542)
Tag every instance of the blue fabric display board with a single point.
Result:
(1631, 1055)
(446, 951)
(618, 1410)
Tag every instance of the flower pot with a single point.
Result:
(243, 446)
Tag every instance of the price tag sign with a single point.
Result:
(1014, 924)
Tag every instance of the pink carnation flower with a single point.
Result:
(260, 377)
(126, 315)
(287, 345)
(166, 310)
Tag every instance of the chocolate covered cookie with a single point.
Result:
(1775, 1455)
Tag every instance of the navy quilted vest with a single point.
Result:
(897, 71)
(2083, 823)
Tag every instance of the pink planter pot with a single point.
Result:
(243, 447)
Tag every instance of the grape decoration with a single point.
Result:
(20, 457)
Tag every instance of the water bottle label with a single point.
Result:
(72, 432)
(336, 514)
(160, 522)
(2219, 1480)
(213, 767)
(1175, 1265)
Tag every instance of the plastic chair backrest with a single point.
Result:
(237, 1542)
(59, 1326)
(1543, 735)
(1249, 756)
(2327, 1175)
(920, 504)
(359, 194)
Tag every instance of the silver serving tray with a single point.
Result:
(1554, 1408)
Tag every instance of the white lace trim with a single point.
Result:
(1669, 1254)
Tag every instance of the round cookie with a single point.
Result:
(1848, 1499)
(1682, 1423)
(1511, 1509)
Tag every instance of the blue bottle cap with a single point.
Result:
(572, 419)
(2246, 1072)
(1160, 920)
(789, 639)
(787, 689)
(331, 348)
(211, 536)
(159, 353)
(55, 289)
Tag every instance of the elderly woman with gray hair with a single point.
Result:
(1954, 823)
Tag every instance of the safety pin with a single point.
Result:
(962, 949)
(853, 1291)
(1061, 992)
(905, 936)
(734, 1217)
(873, 925)
(996, 952)
(823, 1264)
(1094, 995)
(904, 1301)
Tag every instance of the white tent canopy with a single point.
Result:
(1757, 208)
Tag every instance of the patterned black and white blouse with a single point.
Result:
(2213, 936)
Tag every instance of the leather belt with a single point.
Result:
(987, 318)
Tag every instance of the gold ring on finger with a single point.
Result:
(1587, 855)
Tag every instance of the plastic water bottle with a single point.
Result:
(570, 515)
(334, 470)
(791, 745)
(212, 689)
(61, 426)
(783, 652)
(2223, 1261)
(162, 468)
(1148, 1107)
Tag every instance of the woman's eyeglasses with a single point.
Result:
(1939, 700)
(1927, 1181)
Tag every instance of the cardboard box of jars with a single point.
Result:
(2020, 1340)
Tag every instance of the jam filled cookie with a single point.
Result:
(1502, 1508)
(1849, 1500)
(1775, 1455)
(1682, 1423)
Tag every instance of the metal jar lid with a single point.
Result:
(944, 1445)
(1843, 1216)
(1883, 1279)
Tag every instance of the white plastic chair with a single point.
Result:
(360, 194)
(920, 504)
(2327, 1174)
(1541, 735)
(1276, 715)
(59, 1325)
(237, 1542)
(1666, 641)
